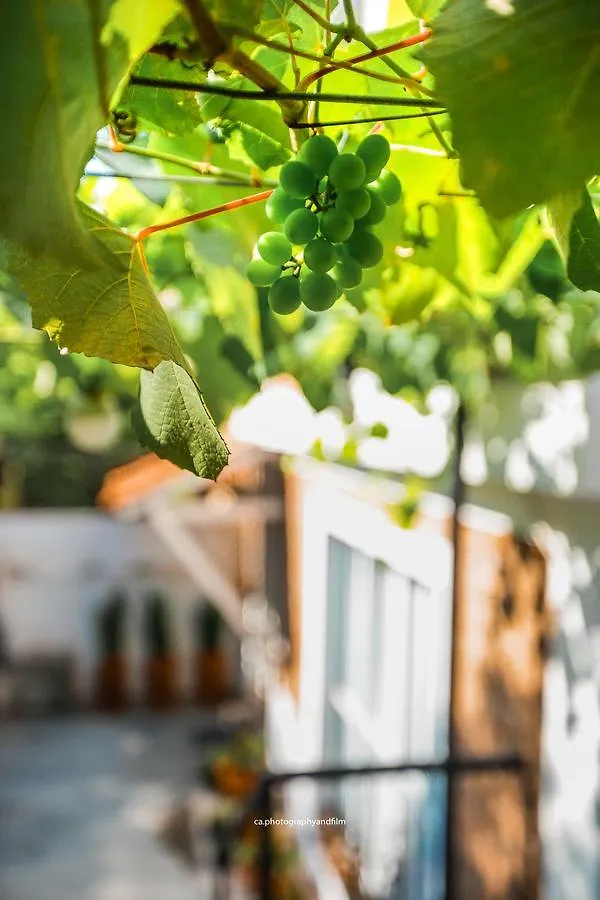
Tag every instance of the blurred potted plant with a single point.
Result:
(212, 676)
(235, 770)
(161, 663)
(289, 880)
(112, 675)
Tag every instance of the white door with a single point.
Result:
(376, 649)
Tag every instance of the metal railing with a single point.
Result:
(261, 804)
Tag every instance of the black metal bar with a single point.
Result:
(262, 806)
(474, 765)
(265, 855)
(458, 495)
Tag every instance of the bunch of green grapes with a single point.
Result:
(327, 204)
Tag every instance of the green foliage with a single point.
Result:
(172, 112)
(454, 285)
(522, 83)
(584, 247)
(172, 417)
(103, 305)
(425, 9)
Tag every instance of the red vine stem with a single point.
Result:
(372, 54)
(419, 38)
(143, 233)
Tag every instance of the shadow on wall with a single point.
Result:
(570, 789)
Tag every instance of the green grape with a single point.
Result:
(318, 291)
(374, 150)
(301, 226)
(320, 255)
(356, 202)
(348, 272)
(279, 205)
(284, 295)
(365, 248)
(388, 187)
(342, 251)
(336, 225)
(376, 212)
(274, 248)
(261, 273)
(318, 153)
(347, 172)
(297, 179)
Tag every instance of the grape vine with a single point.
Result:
(251, 183)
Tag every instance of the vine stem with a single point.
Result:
(218, 47)
(348, 64)
(144, 233)
(350, 15)
(201, 168)
(223, 91)
(366, 40)
(423, 151)
(169, 179)
(377, 52)
(418, 115)
(316, 17)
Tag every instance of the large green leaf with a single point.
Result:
(84, 278)
(521, 80)
(58, 80)
(99, 303)
(584, 247)
(172, 420)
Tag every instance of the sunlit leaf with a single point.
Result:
(584, 247)
(99, 303)
(172, 420)
(521, 80)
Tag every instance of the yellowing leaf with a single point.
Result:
(100, 302)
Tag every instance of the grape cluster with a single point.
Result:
(327, 204)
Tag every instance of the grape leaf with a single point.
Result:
(172, 420)
(232, 12)
(256, 132)
(140, 23)
(425, 9)
(177, 112)
(521, 80)
(101, 304)
(561, 210)
(65, 79)
(584, 247)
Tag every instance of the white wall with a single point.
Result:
(57, 567)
